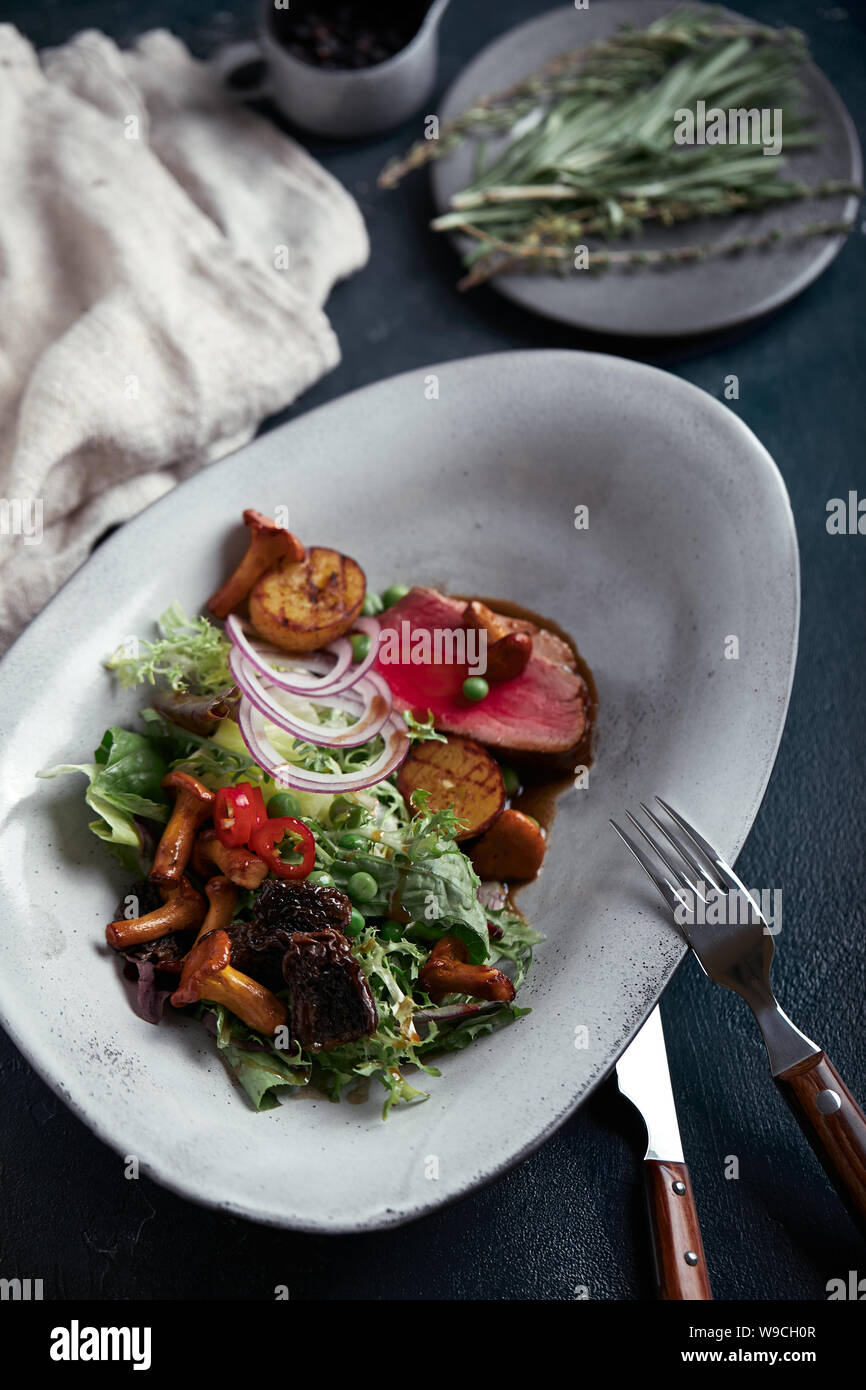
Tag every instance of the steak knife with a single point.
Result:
(644, 1079)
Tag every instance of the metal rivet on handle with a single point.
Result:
(690, 1257)
(828, 1101)
(679, 1188)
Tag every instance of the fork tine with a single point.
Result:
(657, 849)
(681, 849)
(667, 890)
(726, 873)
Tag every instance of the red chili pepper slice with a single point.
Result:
(256, 795)
(267, 837)
(237, 812)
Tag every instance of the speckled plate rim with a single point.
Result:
(108, 558)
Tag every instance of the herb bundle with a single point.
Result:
(592, 151)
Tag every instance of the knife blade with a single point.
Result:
(644, 1079)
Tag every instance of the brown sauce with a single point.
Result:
(396, 910)
(545, 776)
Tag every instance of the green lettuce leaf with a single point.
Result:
(417, 867)
(516, 940)
(443, 892)
(260, 1069)
(125, 780)
(131, 770)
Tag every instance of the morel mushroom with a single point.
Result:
(447, 972)
(239, 865)
(192, 806)
(283, 908)
(208, 975)
(298, 905)
(183, 909)
(331, 1003)
(268, 543)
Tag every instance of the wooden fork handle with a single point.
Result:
(681, 1269)
(833, 1123)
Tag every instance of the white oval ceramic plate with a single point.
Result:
(670, 301)
(690, 541)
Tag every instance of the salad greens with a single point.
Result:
(418, 867)
(124, 782)
(258, 1065)
(423, 885)
(190, 653)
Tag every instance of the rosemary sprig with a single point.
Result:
(592, 148)
(621, 63)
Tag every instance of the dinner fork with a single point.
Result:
(739, 954)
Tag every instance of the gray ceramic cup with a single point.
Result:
(343, 104)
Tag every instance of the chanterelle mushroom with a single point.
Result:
(192, 805)
(268, 543)
(238, 865)
(208, 974)
(222, 899)
(447, 972)
(183, 909)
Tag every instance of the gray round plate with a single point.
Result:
(667, 301)
(690, 540)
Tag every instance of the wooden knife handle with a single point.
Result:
(681, 1269)
(834, 1124)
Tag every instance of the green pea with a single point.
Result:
(511, 779)
(392, 931)
(322, 877)
(422, 931)
(356, 923)
(360, 645)
(362, 887)
(345, 813)
(394, 594)
(372, 605)
(475, 688)
(283, 804)
(352, 841)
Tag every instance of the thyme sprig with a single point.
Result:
(555, 260)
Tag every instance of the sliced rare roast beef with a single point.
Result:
(545, 709)
(329, 999)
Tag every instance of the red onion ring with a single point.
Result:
(252, 723)
(340, 676)
(370, 698)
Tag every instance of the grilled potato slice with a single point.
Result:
(302, 605)
(458, 773)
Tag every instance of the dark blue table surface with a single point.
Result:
(572, 1214)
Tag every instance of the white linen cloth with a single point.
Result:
(164, 256)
